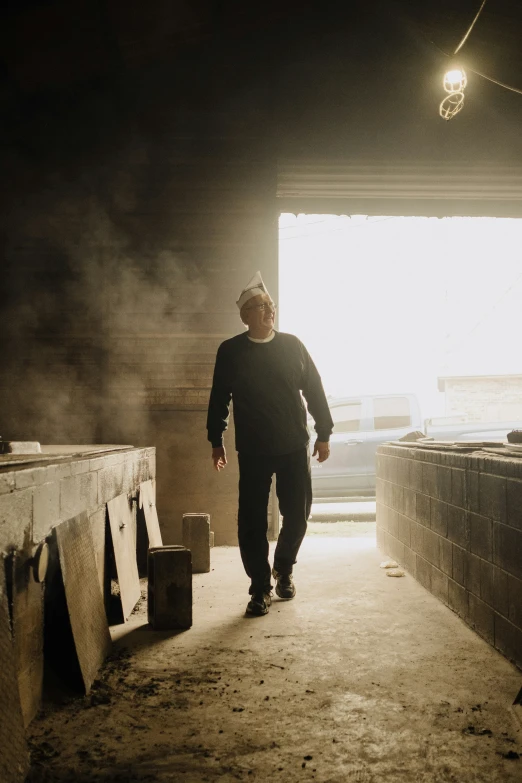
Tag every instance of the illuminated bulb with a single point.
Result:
(455, 80)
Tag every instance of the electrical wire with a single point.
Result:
(317, 222)
(495, 81)
(486, 315)
(343, 228)
(471, 70)
(470, 28)
(313, 223)
(478, 73)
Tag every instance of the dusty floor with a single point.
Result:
(360, 678)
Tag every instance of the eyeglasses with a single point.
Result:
(270, 307)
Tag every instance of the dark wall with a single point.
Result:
(139, 153)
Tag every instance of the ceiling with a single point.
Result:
(56, 43)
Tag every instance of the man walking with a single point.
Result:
(264, 372)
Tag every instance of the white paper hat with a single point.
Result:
(253, 288)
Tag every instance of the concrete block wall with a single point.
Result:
(34, 500)
(454, 521)
(187, 482)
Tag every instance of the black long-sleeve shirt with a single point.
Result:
(264, 382)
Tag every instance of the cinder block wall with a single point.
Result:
(454, 521)
(33, 501)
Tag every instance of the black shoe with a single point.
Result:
(258, 604)
(285, 587)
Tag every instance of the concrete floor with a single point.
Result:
(361, 678)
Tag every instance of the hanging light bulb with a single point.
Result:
(455, 80)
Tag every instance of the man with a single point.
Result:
(264, 372)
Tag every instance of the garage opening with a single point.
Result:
(409, 320)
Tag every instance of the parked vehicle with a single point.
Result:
(458, 428)
(361, 425)
(365, 422)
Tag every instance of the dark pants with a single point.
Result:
(294, 492)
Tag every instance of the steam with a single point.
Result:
(88, 319)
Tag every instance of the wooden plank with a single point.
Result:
(14, 755)
(28, 622)
(124, 543)
(150, 512)
(84, 599)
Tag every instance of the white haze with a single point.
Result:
(388, 304)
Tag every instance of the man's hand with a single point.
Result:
(219, 458)
(322, 449)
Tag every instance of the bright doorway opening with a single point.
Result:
(392, 304)
(412, 318)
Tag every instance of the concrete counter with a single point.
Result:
(453, 519)
(37, 493)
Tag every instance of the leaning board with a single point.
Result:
(14, 756)
(124, 543)
(148, 504)
(85, 606)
